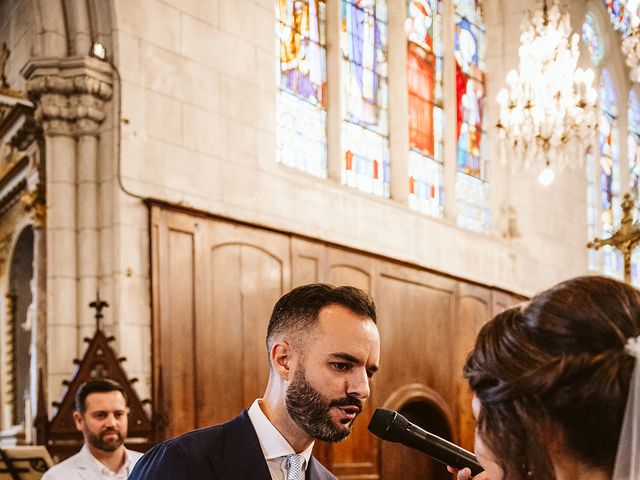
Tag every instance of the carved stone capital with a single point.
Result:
(70, 93)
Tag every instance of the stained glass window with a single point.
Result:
(610, 210)
(423, 27)
(619, 15)
(592, 209)
(472, 192)
(633, 145)
(301, 137)
(365, 129)
(592, 39)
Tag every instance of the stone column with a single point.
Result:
(54, 114)
(334, 116)
(398, 105)
(89, 109)
(450, 120)
(69, 95)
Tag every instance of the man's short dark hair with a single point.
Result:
(298, 310)
(97, 385)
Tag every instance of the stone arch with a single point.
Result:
(613, 60)
(19, 311)
(425, 407)
(69, 27)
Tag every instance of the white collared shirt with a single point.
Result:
(107, 474)
(84, 466)
(274, 446)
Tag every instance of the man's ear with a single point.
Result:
(78, 420)
(282, 359)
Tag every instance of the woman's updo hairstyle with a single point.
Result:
(556, 363)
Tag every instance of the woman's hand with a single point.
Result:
(465, 474)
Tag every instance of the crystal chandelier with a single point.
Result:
(548, 114)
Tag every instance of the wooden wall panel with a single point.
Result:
(173, 255)
(474, 309)
(214, 286)
(309, 262)
(221, 281)
(220, 352)
(416, 311)
(245, 271)
(355, 457)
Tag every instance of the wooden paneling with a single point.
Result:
(214, 285)
(474, 308)
(215, 297)
(174, 258)
(355, 457)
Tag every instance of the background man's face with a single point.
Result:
(104, 423)
(331, 378)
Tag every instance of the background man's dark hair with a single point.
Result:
(298, 310)
(97, 385)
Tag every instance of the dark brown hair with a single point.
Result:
(556, 362)
(96, 385)
(298, 310)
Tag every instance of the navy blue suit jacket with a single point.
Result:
(230, 451)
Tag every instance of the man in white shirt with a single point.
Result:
(323, 347)
(101, 415)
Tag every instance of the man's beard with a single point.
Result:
(110, 445)
(311, 410)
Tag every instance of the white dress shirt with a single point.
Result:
(274, 446)
(84, 466)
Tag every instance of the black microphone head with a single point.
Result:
(388, 424)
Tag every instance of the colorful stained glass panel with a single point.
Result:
(301, 135)
(592, 39)
(366, 160)
(469, 52)
(620, 15)
(472, 196)
(301, 103)
(365, 145)
(423, 27)
(610, 209)
(300, 29)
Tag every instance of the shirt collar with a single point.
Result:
(102, 467)
(272, 443)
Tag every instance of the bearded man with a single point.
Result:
(323, 347)
(102, 417)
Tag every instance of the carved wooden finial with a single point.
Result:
(98, 304)
(4, 56)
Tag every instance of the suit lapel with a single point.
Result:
(314, 472)
(242, 457)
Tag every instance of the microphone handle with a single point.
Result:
(441, 450)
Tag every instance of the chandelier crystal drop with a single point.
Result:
(548, 111)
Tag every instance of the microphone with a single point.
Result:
(390, 425)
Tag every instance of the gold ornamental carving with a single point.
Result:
(36, 207)
(4, 56)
